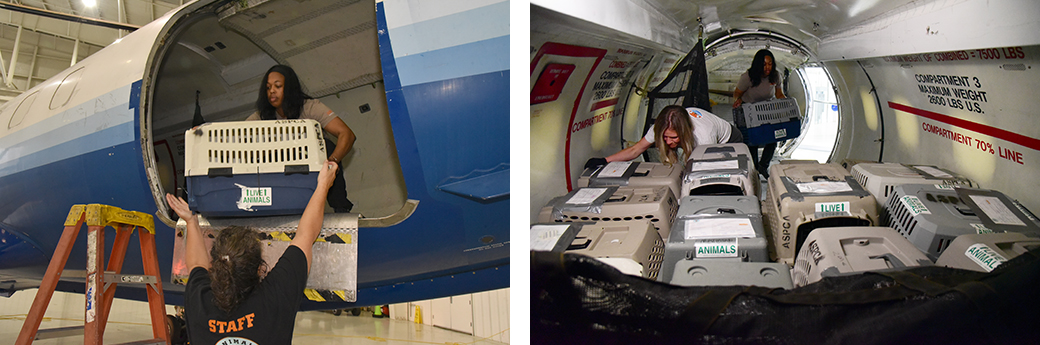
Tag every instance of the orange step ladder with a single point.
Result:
(101, 285)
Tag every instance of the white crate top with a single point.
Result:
(805, 173)
(880, 179)
(904, 173)
(252, 147)
(769, 112)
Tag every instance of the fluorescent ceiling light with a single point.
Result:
(89, 3)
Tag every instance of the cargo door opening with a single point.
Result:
(210, 54)
(804, 80)
(821, 120)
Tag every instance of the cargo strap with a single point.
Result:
(704, 310)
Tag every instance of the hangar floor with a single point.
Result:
(129, 322)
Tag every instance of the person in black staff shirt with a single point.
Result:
(761, 82)
(226, 300)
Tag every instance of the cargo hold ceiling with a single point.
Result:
(332, 46)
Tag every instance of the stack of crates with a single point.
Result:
(768, 121)
(614, 204)
(880, 179)
(725, 228)
(984, 252)
(830, 252)
(932, 216)
(633, 247)
(633, 174)
(724, 169)
(253, 168)
(803, 197)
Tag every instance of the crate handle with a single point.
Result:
(220, 172)
(297, 169)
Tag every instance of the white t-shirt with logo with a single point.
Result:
(708, 129)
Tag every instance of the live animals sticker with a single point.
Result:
(914, 205)
(984, 256)
(253, 196)
(717, 248)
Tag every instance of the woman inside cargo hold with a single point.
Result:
(281, 97)
(226, 300)
(761, 82)
(677, 127)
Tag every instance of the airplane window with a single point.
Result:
(820, 125)
(64, 91)
(23, 108)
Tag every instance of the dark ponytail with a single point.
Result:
(234, 271)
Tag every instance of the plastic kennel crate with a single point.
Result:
(984, 252)
(715, 227)
(720, 170)
(729, 273)
(633, 174)
(768, 121)
(253, 168)
(633, 247)
(848, 163)
(932, 216)
(881, 178)
(614, 204)
(832, 252)
(802, 197)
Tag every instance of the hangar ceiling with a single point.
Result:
(45, 45)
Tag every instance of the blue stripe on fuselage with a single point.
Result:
(88, 156)
(76, 131)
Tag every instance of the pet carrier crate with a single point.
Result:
(768, 121)
(703, 272)
(984, 252)
(724, 169)
(253, 168)
(802, 197)
(881, 178)
(633, 174)
(715, 227)
(932, 216)
(633, 247)
(614, 204)
(848, 163)
(832, 252)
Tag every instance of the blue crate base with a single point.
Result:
(767, 134)
(220, 196)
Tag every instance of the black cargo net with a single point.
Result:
(686, 85)
(576, 299)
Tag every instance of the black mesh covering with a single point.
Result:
(686, 85)
(576, 299)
